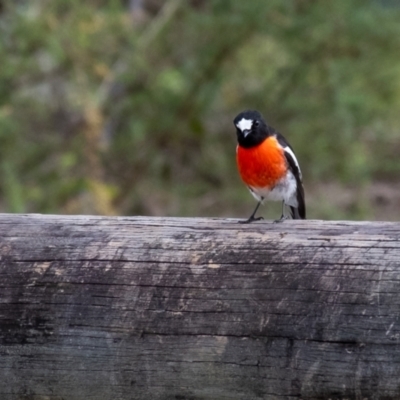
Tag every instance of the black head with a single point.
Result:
(251, 128)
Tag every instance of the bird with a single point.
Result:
(268, 166)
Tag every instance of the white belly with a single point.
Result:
(285, 191)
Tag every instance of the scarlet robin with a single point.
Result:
(268, 166)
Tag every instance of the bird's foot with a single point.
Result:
(281, 219)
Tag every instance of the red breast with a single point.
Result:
(262, 166)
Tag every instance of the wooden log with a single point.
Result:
(200, 309)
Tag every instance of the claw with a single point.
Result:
(281, 219)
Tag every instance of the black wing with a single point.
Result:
(300, 212)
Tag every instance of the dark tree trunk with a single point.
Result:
(170, 308)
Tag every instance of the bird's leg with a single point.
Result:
(283, 216)
(252, 218)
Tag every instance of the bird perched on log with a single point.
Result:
(268, 166)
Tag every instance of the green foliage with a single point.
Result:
(103, 111)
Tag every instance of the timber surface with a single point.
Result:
(100, 308)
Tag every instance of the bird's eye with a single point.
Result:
(256, 123)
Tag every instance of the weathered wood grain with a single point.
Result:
(177, 309)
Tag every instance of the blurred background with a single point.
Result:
(125, 107)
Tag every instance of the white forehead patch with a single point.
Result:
(244, 124)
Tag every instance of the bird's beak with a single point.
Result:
(246, 132)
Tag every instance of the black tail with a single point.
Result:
(300, 211)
